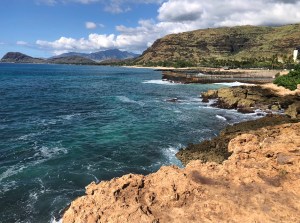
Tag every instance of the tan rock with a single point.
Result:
(293, 110)
(260, 182)
(245, 103)
(210, 94)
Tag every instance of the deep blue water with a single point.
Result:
(62, 127)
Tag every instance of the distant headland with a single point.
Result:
(107, 56)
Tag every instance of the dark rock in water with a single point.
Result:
(205, 100)
(246, 110)
(216, 149)
(172, 100)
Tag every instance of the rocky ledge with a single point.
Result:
(260, 182)
(247, 99)
(216, 149)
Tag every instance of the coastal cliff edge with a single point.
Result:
(260, 182)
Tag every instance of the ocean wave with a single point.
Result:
(43, 154)
(161, 82)
(128, 100)
(221, 117)
(170, 152)
(232, 84)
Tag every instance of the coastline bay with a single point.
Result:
(62, 127)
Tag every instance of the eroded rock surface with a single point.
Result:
(260, 182)
(216, 149)
(249, 98)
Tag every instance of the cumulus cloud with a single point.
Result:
(215, 13)
(184, 15)
(90, 25)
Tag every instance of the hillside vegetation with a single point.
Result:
(234, 46)
(291, 80)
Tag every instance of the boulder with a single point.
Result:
(210, 94)
(245, 103)
(294, 110)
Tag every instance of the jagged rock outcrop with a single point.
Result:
(216, 149)
(248, 98)
(236, 43)
(260, 182)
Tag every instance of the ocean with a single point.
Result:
(64, 126)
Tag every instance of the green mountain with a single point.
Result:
(229, 43)
(71, 60)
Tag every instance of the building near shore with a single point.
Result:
(296, 54)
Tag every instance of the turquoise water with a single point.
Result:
(62, 127)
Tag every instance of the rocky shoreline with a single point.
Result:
(260, 182)
(249, 173)
(247, 99)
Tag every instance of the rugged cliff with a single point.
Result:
(225, 43)
(258, 183)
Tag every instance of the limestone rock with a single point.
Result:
(210, 94)
(258, 183)
(293, 110)
(248, 98)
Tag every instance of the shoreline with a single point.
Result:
(211, 152)
(257, 168)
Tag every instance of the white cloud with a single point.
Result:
(20, 42)
(214, 13)
(184, 15)
(90, 25)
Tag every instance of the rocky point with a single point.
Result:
(260, 182)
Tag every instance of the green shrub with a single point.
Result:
(291, 80)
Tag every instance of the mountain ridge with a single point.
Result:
(102, 55)
(70, 58)
(224, 43)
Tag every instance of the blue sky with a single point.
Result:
(43, 28)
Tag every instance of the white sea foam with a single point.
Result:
(236, 83)
(161, 82)
(8, 186)
(69, 117)
(128, 100)
(170, 153)
(43, 154)
(48, 153)
(221, 117)
(28, 136)
(11, 171)
(53, 220)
